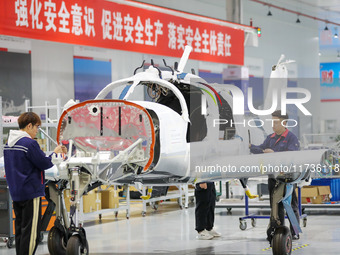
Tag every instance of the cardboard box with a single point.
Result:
(172, 188)
(92, 202)
(110, 199)
(315, 194)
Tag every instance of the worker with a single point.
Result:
(281, 140)
(205, 196)
(25, 163)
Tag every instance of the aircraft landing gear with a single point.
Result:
(70, 242)
(282, 241)
(77, 244)
(280, 236)
(57, 241)
(68, 237)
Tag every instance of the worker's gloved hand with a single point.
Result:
(251, 196)
(60, 149)
(268, 151)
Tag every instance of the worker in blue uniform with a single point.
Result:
(25, 163)
(281, 140)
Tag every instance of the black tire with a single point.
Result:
(9, 242)
(243, 225)
(56, 242)
(282, 241)
(74, 246)
(253, 222)
(304, 223)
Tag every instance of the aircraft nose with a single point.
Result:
(109, 127)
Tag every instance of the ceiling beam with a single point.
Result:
(295, 12)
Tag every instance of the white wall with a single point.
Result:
(281, 35)
(52, 73)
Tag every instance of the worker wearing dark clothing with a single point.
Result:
(281, 140)
(205, 196)
(25, 163)
(287, 141)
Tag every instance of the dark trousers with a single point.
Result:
(205, 207)
(27, 225)
(281, 212)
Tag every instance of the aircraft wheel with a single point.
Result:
(304, 222)
(116, 214)
(9, 242)
(75, 247)
(143, 214)
(282, 241)
(56, 242)
(253, 222)
(243, 225)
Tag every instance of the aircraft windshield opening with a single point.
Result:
(226, 129)
(197, 128)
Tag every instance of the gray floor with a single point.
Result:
(171, 231)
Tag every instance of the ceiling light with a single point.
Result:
(319, 53)
(269, 12)
(298, 20)
(336, 33)
(326, 28)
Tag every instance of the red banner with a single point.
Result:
(122, 26)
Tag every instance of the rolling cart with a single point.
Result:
(6, 214)
(253, 217)
(260, 205)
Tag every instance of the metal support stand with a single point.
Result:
(287, 200)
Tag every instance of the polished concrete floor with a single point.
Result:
(170, 230)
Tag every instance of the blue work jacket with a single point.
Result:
(285, 142)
